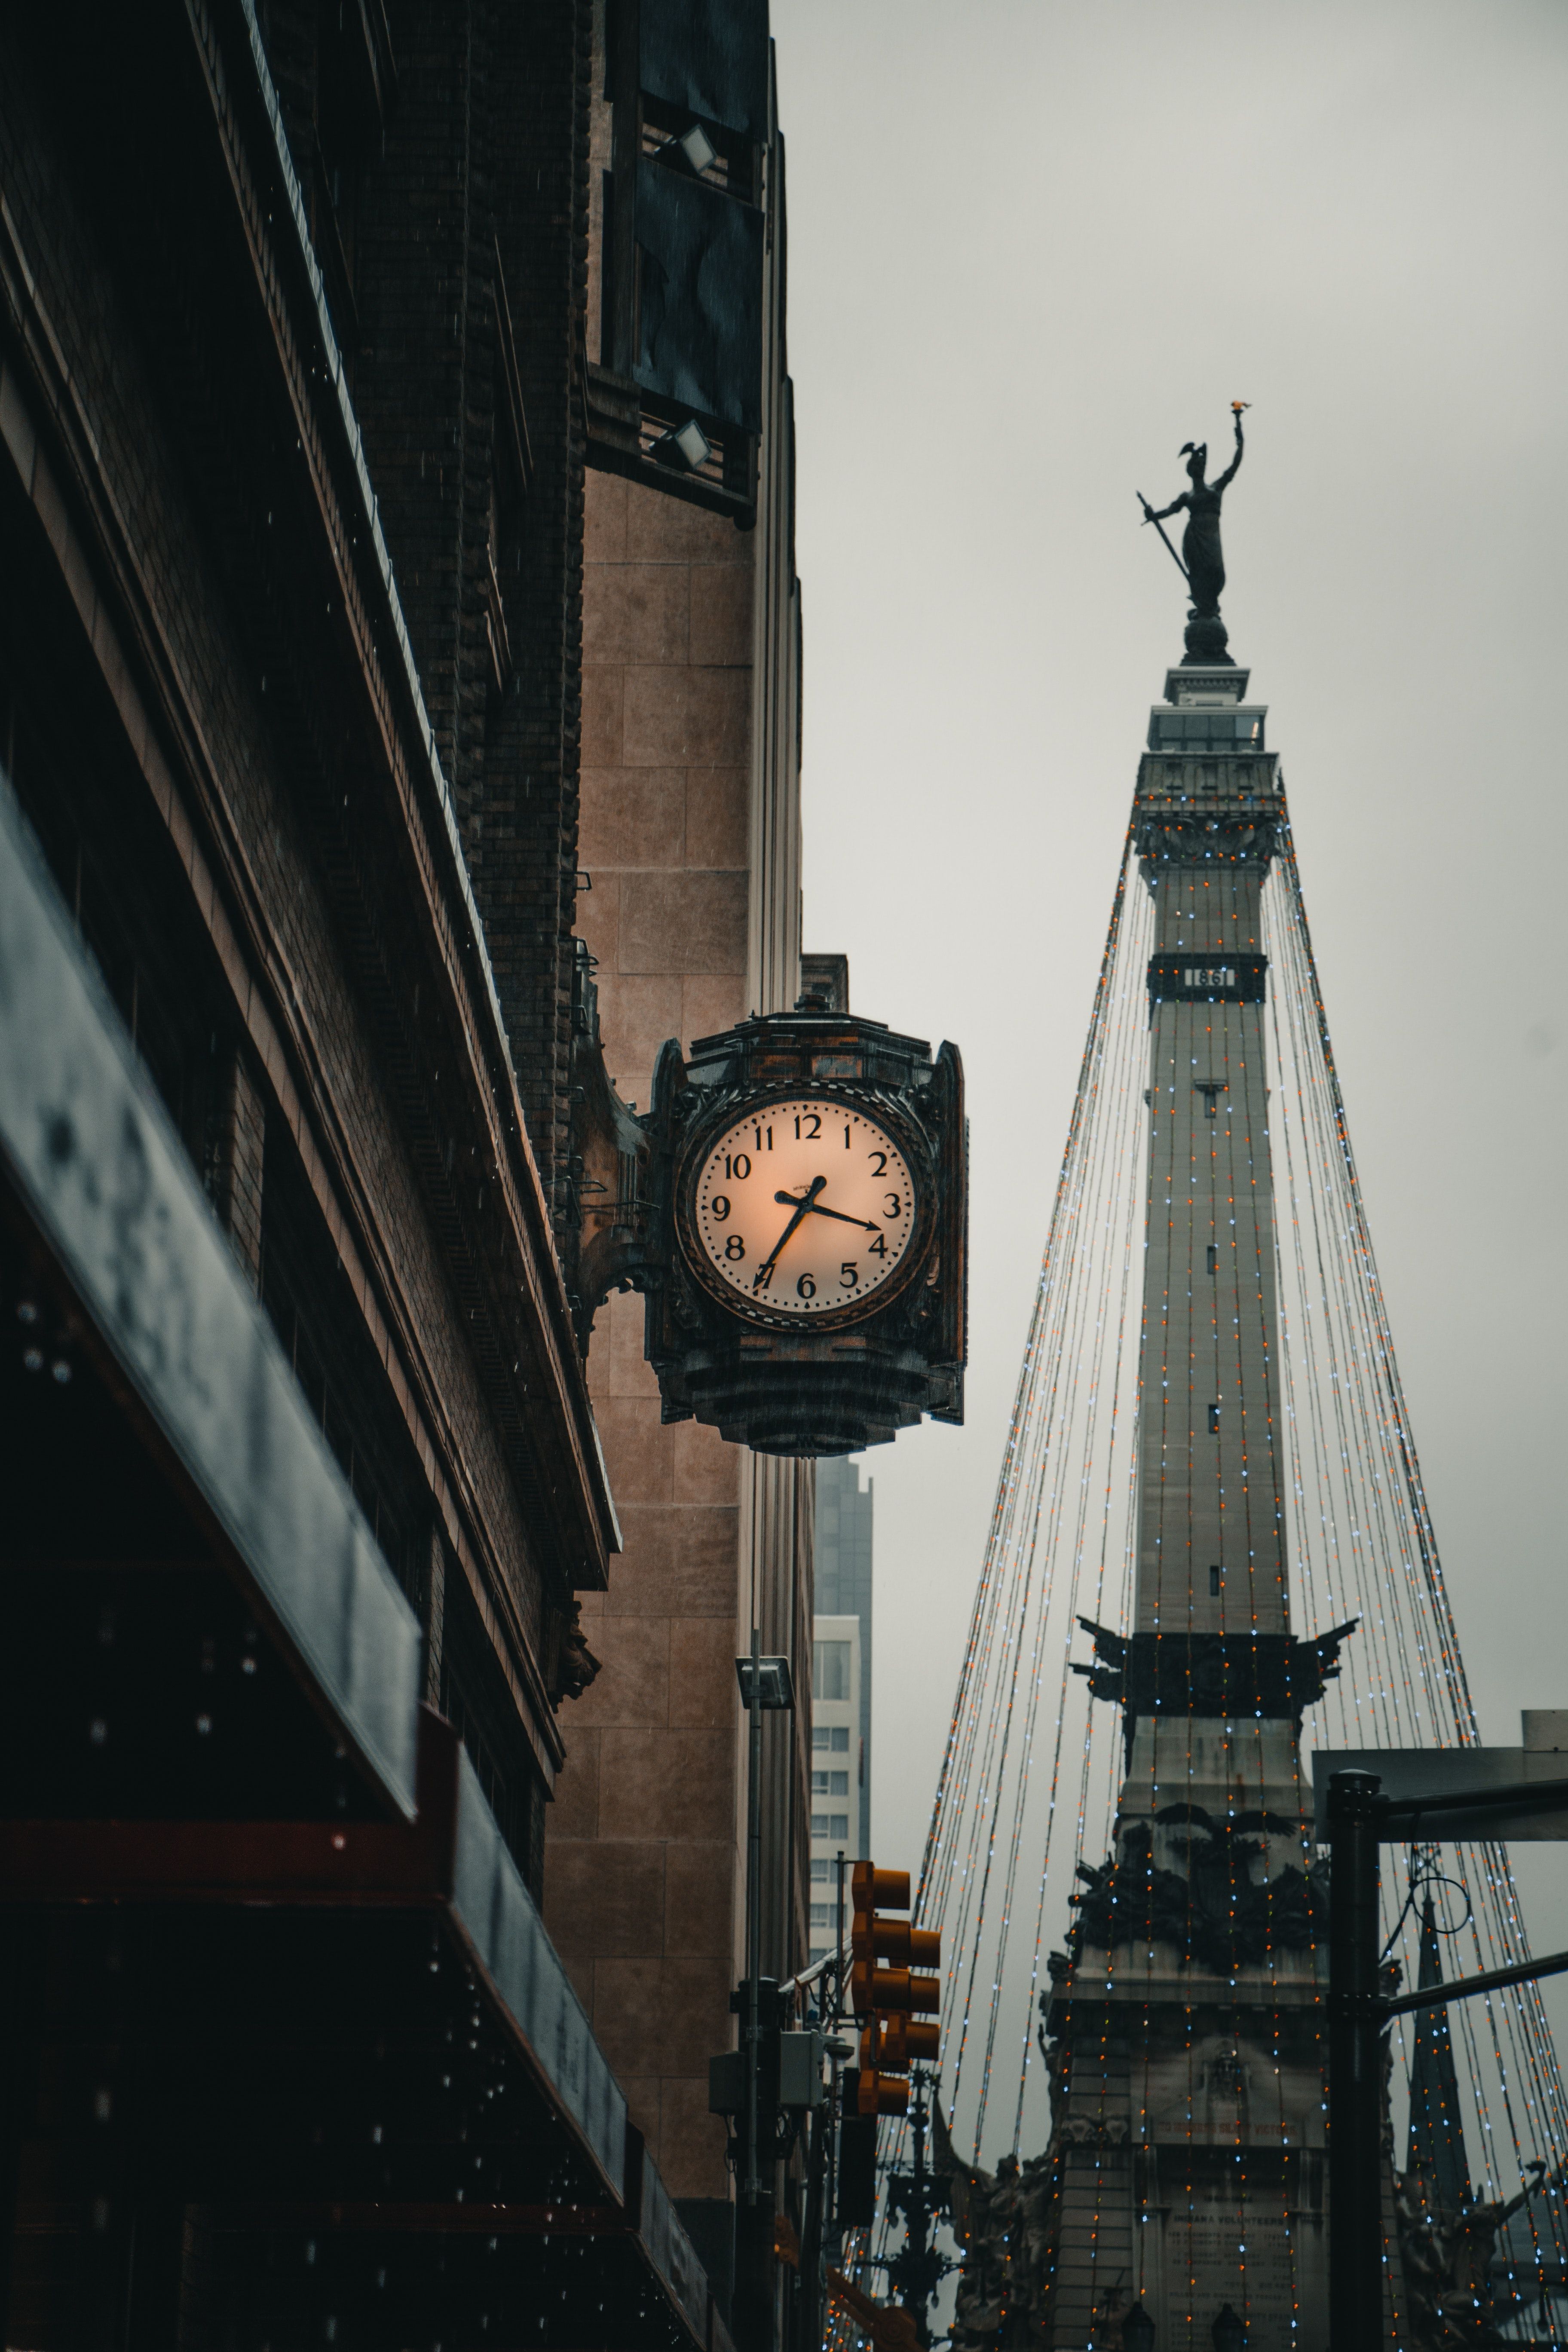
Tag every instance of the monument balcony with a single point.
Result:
(1181, 775)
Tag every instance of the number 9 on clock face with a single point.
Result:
(802, 1208)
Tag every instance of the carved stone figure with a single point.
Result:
(1222, 1916)
(1002, 2222)
(1446, 2261)
(1201, 549)
(578, 1665)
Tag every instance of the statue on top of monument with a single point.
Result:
(1201, 559)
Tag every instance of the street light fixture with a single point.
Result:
(1229, 2333)
(684, 445)
(774, 1682)
(1138, 2331)
(698, 148)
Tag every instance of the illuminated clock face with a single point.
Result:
(805, 1207)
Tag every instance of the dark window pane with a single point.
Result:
(700, 298)
(708, 57)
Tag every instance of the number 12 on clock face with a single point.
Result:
(807, 1207)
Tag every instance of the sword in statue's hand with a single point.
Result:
(1150, 516)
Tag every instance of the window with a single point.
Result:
(820, 1825)
(830, 1670)
(833, 1737)
(1214, 1584)
(822, 1915)
(841, 1740)
(307, 1299)
(838, 1784)
(1212, 732)
(1213, 1421)
(1214, 1259)
(819, 1787)
(821, 1866)
(477, 1699)
(840, 1825)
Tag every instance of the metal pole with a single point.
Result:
(832, 2236)
(752, 2185)
(752, 2310)
(1355, 2068)
(838, 1972)
(1494, 1980)
(917, 2301)
(812, 2280)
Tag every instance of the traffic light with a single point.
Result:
(895, 1999)
(856, 2200)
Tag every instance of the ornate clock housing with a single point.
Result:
(805, 1210)
(805, 1260)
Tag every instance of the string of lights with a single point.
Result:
(1333, 1434)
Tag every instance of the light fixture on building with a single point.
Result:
(1138, 2331)
(698, 148)
(1229, 2333)
(776, 1685)
(682, 445)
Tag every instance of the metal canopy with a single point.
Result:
(498, 1919)
(105, 1179)
(1427, 1773)
(257, 1530)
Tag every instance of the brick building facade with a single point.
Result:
(324, 754)
(689, 832)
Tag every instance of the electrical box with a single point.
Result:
(800, 2070)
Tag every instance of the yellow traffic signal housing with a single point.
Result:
(890, 1987)
(871, 1889)
(883, 2094)
(896, 2042)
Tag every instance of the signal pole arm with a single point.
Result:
(889, 2327)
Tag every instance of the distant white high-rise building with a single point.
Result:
(841, 1690)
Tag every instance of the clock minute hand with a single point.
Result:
(787, 1200)
(800, 1207)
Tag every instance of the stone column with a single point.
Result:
(1188, 2115)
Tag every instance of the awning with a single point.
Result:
(258, 1904)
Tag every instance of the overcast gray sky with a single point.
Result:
(1033, 249)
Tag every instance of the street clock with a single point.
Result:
(805, 1210)
(805, 1236)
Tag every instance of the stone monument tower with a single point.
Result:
(1183, 2031)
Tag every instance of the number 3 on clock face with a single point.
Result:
(804, 1207)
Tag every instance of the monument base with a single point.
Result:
(1207, 639)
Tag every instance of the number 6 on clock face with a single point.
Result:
(802, 1208)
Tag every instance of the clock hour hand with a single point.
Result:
(800, 1208)
(787, 1200)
